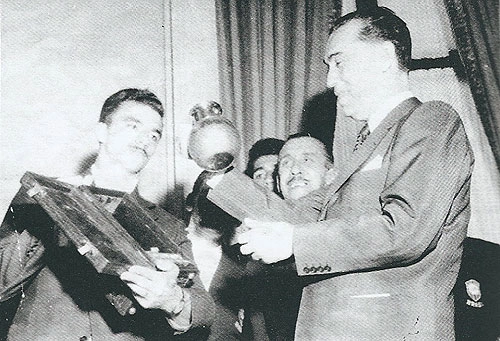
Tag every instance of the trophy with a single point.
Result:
(213, 144)
(214, 141)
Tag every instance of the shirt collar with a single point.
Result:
(385, 107)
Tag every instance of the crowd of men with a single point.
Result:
(370, 251)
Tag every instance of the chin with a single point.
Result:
(135, 168)
(349, 112)
(298, 193)
(356, 112)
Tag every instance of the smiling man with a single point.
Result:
(303, 165)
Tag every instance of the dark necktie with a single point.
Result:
(363, 134)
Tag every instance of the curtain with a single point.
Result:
(476, 28)
(270, 61)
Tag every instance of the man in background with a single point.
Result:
(262, 159)
(304, 169)
(62, 296)
(304, 166)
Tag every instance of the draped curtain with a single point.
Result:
(476, 28)
(270, 60)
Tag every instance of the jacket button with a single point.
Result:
(306, 269)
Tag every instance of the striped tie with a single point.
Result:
(363, 134)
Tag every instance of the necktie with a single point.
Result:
(363, 134)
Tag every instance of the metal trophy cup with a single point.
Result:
(214, 141)
(213, 144)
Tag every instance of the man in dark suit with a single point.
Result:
(305, 168)
(383, 257)
(62, 296)
(223, 270)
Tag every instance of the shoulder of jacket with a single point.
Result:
(432, 116)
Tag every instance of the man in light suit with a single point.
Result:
(383, 257)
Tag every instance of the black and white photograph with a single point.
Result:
(267, 170)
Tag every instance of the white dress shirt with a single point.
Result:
(385, 107)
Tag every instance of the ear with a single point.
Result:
(388, 54)
(101, 132)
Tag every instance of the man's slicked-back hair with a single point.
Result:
(295, 136)
(263, 147)
(142, 96)
(381, 24)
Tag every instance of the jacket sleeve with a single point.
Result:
(202, 305)
(429, 172)
(240, 197)
(21, 257)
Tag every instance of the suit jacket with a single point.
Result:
(230, 290)
(63, 296)
(384, 256)
(238, 284)
(274, 290)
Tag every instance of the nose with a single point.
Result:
(269, 179)
(295, 169)
(144, 140)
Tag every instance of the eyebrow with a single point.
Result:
(313, 154)
(283, 157)
(133, 119)
(258, 169)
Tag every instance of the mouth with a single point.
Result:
(139, 149)
(297, 182)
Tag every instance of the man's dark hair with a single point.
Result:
(142, 96)
(267, 146)
(328, 155)
(381, 24)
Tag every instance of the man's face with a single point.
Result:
(355, 68)
(302, 167)
(263, 171)
(131, 138)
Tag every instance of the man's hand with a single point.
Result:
(156, 289)
(269, 242)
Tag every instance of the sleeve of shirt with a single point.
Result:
(197, 301)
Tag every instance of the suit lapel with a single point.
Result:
(358, 158)
(151, 207)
